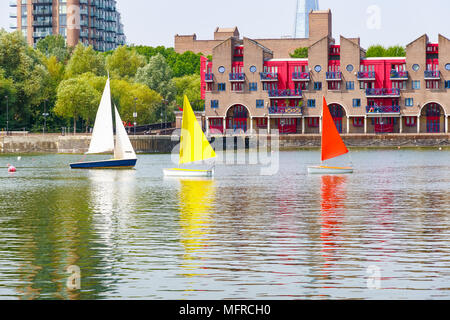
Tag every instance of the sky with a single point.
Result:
(386, 22)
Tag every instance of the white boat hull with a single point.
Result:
(188, 173)
(329, 170)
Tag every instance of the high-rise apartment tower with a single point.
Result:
(91, 22)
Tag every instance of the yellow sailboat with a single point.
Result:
(194, 146)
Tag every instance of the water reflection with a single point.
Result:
(196, 207)
(333, 196)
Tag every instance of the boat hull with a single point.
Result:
(329, 170)
(187, 173)
(105, 164)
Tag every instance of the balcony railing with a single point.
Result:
(301, 76)
(209, 77)
(286, 110)
(367, 75)
(285, 93)
(382, 109)
(399, 75)
(383, 92)
(269, 76)
(237, 76)
(334, 75)
(432, 74)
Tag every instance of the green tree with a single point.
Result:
(76, 98)
(124, 63)
(24, 66)
(396, 51)
(190, 86)
(147, 101)
(157, 75)
(85, 59)
(300, 53)
(376, 51)
(54, 45)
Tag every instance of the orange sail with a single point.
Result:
(332, 144)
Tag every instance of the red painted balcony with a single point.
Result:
(432, 48)
(238, 77)
(399, 75)
(432, 75)
(285, 94)
(334, 76)
(209, 77)
(383, 93)
(335, 50)
(301, 76)
(269, 76)
(382, 109)
(286, 110)
(367, 75)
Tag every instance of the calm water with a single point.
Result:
(136, 235)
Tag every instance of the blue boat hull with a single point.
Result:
(105, 164)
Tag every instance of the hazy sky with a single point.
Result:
(388, 22)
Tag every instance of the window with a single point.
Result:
(260, 103)
(415, 67)
(237, 87)
(356, 103)
(221, 86)
(253, 86)
(350, 85)
(410, 121)
(214, 104)
(311, 103)
(358, 122)
(349, 68)
(416, 84)
(447, 84)
(313, 122)
(409, 102)
(334, 85)
(221, 69)
(318, 86)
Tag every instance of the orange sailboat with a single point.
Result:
(332, 145)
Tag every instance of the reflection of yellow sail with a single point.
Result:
(196, 197)
(193, 144)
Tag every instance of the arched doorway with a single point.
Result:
(338, 114)
(237, 118)
(433, 117)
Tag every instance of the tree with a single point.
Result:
(124, 63)
(190, 86)
(76, 98)
(147, 102)
(54, 45)
(85, 59)
(380, 51)
(300, 53)
(396, 51)
(157, 75)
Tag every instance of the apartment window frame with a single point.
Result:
(356, 103)
(311, 103)
(416, 84)
(409, 102)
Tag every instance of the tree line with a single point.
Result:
(67, 83)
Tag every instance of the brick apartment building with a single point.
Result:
(253, 84)
(92, 22)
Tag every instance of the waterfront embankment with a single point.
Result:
(53, 143)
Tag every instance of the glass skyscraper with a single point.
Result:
(304, 7)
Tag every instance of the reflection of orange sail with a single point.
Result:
(333, 196)
(196, 198)
(332, 144)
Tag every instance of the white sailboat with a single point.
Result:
(103, 138)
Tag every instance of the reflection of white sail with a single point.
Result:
(103, 135)
(112, 199)
(123, 149)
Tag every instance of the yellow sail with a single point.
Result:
(193, 144)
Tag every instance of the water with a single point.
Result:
(381, 233)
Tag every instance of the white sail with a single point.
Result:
(123, 149)
(103, 135)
